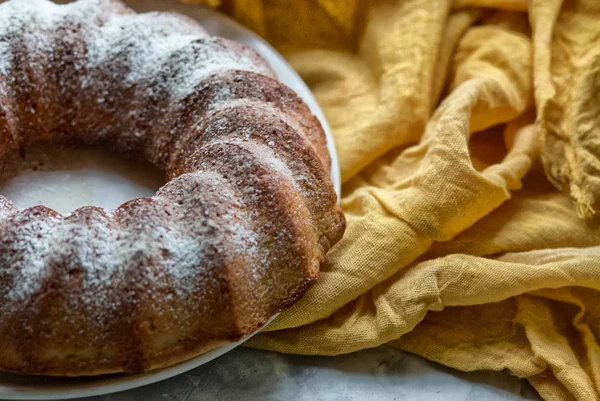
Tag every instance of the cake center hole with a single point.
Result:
(65, 179)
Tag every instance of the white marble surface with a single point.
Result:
(380, 374)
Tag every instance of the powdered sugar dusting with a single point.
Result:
(158, 53)
(239, 213)
(110, 259)
(25, 246)
(184, 58)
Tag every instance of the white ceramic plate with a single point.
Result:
(17, 387)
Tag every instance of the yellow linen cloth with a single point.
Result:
(452, 121)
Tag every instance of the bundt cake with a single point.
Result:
(236, 234)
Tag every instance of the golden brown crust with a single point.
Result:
(236, 235)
